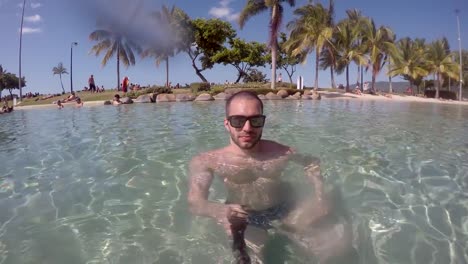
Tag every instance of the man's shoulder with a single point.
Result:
(271, 145)
(208, 155)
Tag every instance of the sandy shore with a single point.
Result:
(392, 98)
(325, 96)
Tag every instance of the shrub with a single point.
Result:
(200, 87)
(217, 89)
(442, 94)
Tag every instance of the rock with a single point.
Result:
(306, 97)
(107, 102)
(166, 98)
(272, 96)
(261, 97)
(204, 97)
(184, 97)
(293, 97)
(145, 98)
(307, 92)
(282, 93)
(297, 94)
(222, 96)
(126, 100)
(316, 96)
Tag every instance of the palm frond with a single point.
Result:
(252, 8)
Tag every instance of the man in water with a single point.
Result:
(251, 169)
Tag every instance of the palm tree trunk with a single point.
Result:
(373, 82)
(390, 90)
(317, 55)
(438, 86)
(273, 63)
(362, 78)
(332, 75)
(411, 84)
(118, 68)
(63, 89)
(347, 79)
(358, 74)
(167, 71)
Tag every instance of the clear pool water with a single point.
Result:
(108, 184)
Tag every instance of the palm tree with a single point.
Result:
(378, 42)
(168, 22)
(441, 62)
(114, 43)
(347, 37)
(310, 30)
(358, 22)
(254, 7)
(59, 69)
(328, 56)
(409, 60)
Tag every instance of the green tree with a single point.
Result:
(310, 31)
(465, 67)
(242, 55)
(286, 60)
(440, 62)
(254, 7)
(254, 75)
(358, 22)
(59, 69)
(169, 22)
(10, 81)
(113, 43)
(347, 38)
(409, 61)
(204, 39)
(378, 42)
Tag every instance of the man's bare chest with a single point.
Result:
(245, 170)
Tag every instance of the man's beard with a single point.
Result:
(247, 145)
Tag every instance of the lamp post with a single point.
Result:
(71, 65)
(21, 42)
(460, 53)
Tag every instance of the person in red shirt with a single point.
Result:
(125, 83)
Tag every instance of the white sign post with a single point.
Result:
(300, 83)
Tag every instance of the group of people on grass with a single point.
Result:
(6, 108)
(71, 98)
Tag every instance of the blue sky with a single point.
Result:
(52, 25)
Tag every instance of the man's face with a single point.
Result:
(247, 136)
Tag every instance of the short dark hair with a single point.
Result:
(243, 95)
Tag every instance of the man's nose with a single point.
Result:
(247, 126)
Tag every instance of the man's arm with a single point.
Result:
(320, 206)
(200, 181)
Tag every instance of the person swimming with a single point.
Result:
(251, 169)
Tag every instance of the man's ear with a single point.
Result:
(226, 125)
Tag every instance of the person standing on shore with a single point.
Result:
(92, 85)
(125, 83)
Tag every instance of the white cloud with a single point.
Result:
(28, 30)
(35, 18)
(224, 11)
(35, 5)
(225, 3)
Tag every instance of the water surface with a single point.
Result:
(108, 184)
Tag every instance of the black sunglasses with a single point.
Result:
(238, 121)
